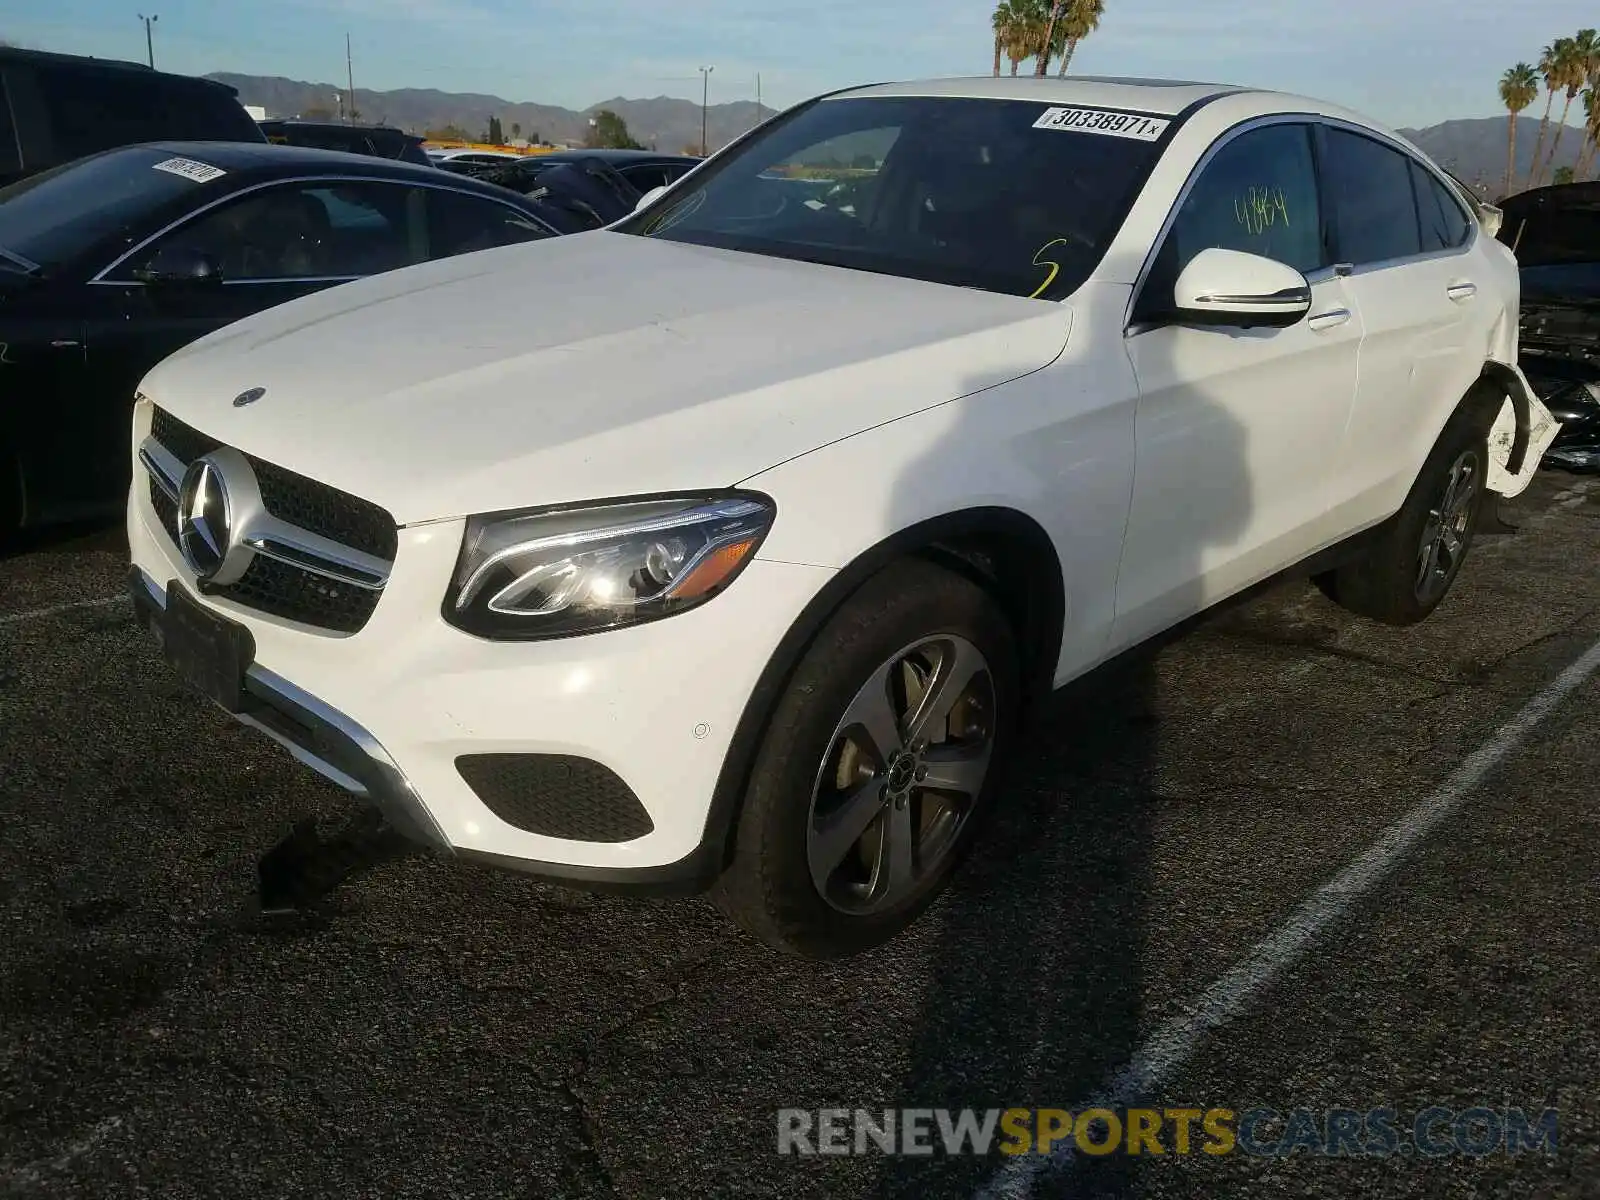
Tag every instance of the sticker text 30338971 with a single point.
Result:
(1103, 121)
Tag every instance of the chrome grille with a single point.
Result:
(289, 577)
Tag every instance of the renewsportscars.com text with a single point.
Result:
(1433, 1132)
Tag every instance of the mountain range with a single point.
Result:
(662, 123)
(1475, 150)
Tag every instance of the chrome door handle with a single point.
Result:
(1331, 319)
(1461, 291)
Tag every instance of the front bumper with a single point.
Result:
(386, 713)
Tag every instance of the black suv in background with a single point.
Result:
(378, 141)
(55, 108)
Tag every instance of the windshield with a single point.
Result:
(52, 217)
(1010, 196)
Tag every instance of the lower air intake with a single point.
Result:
(556, 795)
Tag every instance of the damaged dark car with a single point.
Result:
(1555, 234)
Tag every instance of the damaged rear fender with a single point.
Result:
(1521, 433)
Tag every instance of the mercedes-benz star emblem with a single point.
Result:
(250, 397)
(204, 517)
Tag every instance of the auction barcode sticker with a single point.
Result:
(190, 169)
(1103, 121)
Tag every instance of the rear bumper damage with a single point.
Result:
(1522, 434)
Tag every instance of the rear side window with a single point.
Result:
(88, 111)
(1374, 203)
(1444, 225)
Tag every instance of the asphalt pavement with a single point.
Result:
(440, 1030)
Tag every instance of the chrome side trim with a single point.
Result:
(1288, 298)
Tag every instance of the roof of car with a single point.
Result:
(1164, 96)
(341, 126)
(271, 156)
(47, 57)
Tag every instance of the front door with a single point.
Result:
(1236, 429)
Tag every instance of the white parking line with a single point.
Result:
(1173, 1043)
(33, 614)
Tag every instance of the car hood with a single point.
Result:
(590, 366)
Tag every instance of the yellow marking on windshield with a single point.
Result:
(1055, 267)
(1260, 208)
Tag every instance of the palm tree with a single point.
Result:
(1082, 19)
(1001, 24)
(1018, 27)
(1549, 68)
(1519, 87)
(1047, 40)
(1581, 51)
(1591, 133)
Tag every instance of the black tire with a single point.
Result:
(1387, 583)
(768, 889)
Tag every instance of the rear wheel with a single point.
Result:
(1410, 570)
(878, 767)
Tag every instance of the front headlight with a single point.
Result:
(558, 573)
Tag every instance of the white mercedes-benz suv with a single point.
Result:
(726, 547)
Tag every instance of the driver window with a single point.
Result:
(309, 230)
(1257, 195)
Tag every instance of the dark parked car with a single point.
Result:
(58, 107)
(380, 141)
(595, 187)
(111, 263)
(643, 169)
(1555, 234)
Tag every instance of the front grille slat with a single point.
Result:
(336, 515)
(281, 589)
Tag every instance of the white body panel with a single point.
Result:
(1169, 467)
(496, 384)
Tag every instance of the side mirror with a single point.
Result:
(649, 197)
(176, 266)
(1227, 287)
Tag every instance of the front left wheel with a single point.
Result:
(878, 767)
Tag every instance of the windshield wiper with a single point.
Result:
(26, 265)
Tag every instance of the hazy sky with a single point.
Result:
(1406, 62)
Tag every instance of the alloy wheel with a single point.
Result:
(903, 773)
(1445, 532)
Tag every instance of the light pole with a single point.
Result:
(149, 41)
(705, 96)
